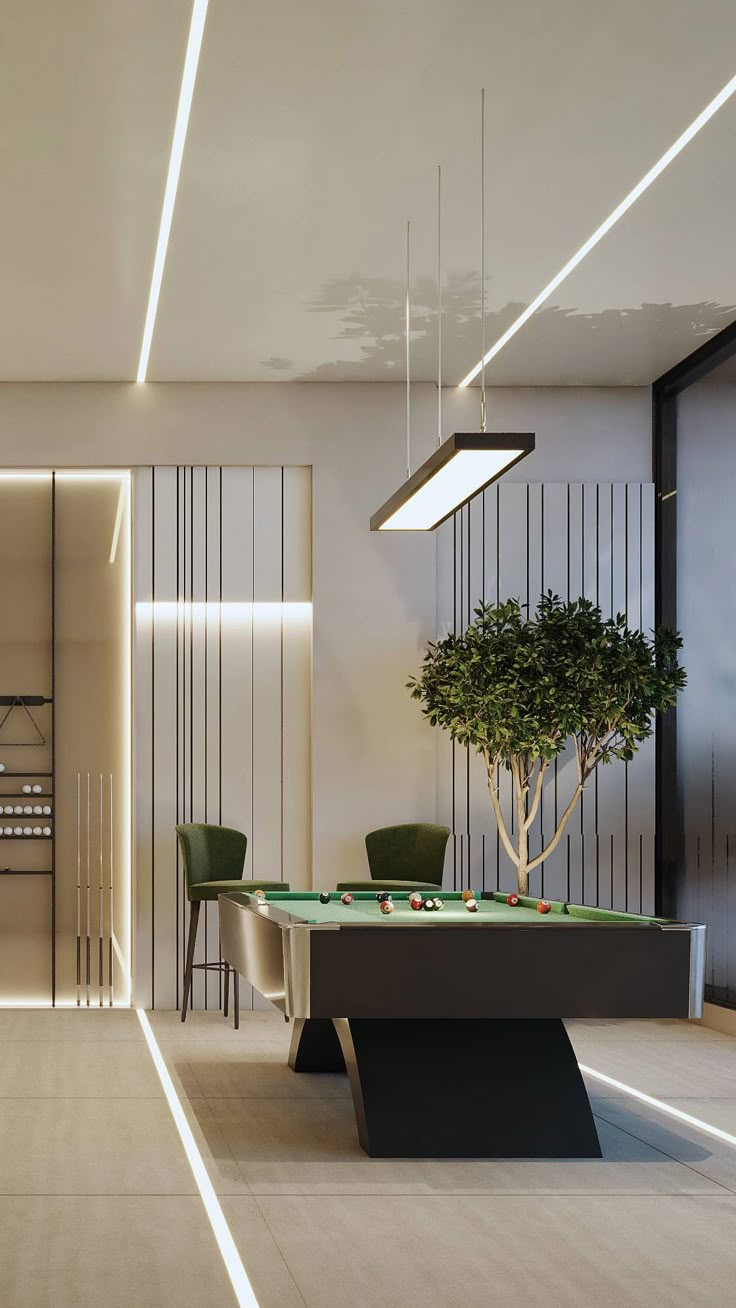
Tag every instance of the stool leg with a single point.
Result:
(236, 998)
(227, 990)
(194, 908)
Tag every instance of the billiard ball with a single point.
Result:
(467, 894)
(512, 900)
(544, 906)
(428, 905)
(386, 906)
(416, 903)
(471, 905)
(260, 894)
(415, 894)
(347, 898)
(382, 896)
(439, 903)
(324, 897)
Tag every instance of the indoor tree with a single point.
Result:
(519, 689)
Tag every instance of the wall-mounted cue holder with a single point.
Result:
(95, 794)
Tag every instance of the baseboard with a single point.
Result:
(718, 1019)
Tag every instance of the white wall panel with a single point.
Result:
(596, 540)
(223, 694)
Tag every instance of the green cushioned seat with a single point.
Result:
(412, 853)
(211, 889)
(213, 859)
(387, 885)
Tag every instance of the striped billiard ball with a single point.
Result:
(512, 900)
(471, 905)
(416, 903)
(544, 906)
(382, 896)
(386, 906)
(347, 898)
(467, 894)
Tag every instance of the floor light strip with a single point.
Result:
(658, 1103)
(607, 224)
(230, 1256)
(189, 77)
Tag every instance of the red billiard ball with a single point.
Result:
(544, 906)
(416, 902)
(471, 905)
(386, 906)
(512, 900)
(467, 894)
(347, 898)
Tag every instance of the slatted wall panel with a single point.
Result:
(222, 684)
(518, 540)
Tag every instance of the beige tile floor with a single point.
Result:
(98, 1205)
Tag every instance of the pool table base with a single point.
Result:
(455, 1087)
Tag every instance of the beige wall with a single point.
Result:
(374, 595)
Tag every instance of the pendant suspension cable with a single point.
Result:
(407, 329)
(439, 304)
(483, 258)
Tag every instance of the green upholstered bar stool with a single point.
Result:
(407, 857)
(213, 858)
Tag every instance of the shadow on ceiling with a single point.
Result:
(370, 313)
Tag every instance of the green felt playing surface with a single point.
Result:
(365, 909)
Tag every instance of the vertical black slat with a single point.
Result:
(176, 693)
(153, 738)
(498, 600)
(582, 592)
(191, 656)
(597, 600)
(452, 743)
(483, 547)
(468, 569)
(206, 689)
(626, 766)
(219, 686)
(541, 582)
(528, 583)
(668, 817)
(53, 739)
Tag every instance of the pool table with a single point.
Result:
(450, 1023)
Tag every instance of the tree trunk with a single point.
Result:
(523, 879)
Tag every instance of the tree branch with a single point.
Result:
(505, 839)
(537, 794)
(554, 842)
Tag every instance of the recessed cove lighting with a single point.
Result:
(605, 227)
(669, 1109)
(461, 467)
(189, 77)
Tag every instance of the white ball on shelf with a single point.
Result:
(8, 831)
(2, 767)
(18, 808)
(26, 790)
(27, 808)
(28, 831)
(47, 831)
(37, 790)
(8, 809)
(37, 831)
(37, 809)
(17, 831)
(47, 809)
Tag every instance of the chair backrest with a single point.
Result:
(414, 851)
(211, 853)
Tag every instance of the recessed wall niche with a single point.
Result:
(65, 737)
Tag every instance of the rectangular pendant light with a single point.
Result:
(458, 469)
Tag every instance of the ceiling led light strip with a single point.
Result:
(606, 226)
(189, 77)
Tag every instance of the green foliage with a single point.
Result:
(518, 689)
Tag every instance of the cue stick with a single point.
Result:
(100, 925)
(109, 940)
(89, 958)
(79, 890)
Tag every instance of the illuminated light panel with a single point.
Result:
(189, 77)
(660, 1105)
(118, 521)
(228, 611)
(223, 1235)
(605, 227)
(461, 467)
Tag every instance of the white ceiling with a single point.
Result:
(315, 133)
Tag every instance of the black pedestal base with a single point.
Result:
(456, 1087)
